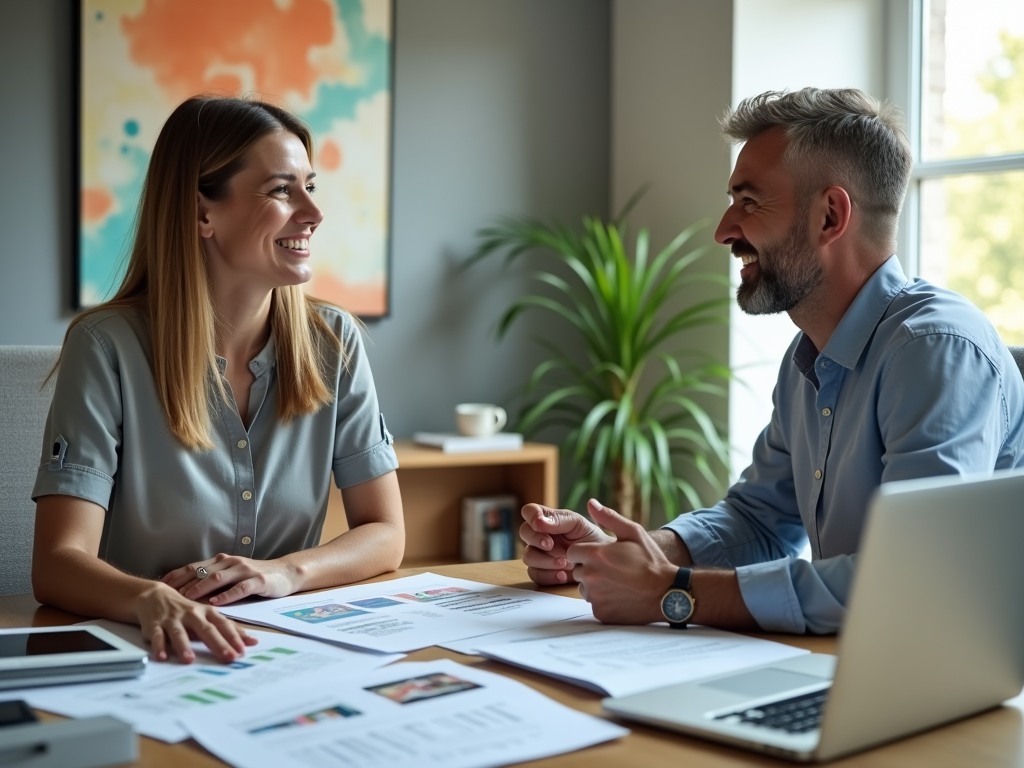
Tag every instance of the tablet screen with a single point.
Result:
(48, 643)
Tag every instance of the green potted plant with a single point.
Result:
(630, 409)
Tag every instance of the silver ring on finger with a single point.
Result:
(201, 572)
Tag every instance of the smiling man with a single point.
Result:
(890, 378)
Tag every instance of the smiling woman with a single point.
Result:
(199, 414)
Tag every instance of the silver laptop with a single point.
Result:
(934, 632)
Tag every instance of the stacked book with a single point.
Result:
(448, 443)
(488, 528)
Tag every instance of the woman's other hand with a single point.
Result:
(229, 578)
(170, 621)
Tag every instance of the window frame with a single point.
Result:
(905, 61)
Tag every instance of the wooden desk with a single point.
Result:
(433, 485)
(993, 739)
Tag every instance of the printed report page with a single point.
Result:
(410, 613)
(409, 715)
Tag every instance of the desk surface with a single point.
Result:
(995, 738)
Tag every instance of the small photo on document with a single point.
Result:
(420, 688)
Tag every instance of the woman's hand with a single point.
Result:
(169, 619)
(230, 578)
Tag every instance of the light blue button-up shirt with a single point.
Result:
(914, 382)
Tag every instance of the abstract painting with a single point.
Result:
(327, 61)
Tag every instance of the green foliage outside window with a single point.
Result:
(985, 212)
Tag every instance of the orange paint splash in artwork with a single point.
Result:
(194, 45)
(358, 298)
(330, 156)
(96, 203)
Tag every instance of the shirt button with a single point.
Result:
(824, 363)
(241, 443)
(824, 412)
(246, 540)
(817, 474)
(246, 495)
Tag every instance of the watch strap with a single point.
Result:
(682, 579)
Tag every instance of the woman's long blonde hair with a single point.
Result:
(201, 147)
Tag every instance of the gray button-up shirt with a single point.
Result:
(259, 493)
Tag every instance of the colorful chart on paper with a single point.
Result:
(328, 61)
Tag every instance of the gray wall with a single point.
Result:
(671, 79)
(35, 153)
(501, 107)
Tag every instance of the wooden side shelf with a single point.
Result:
(433, 485)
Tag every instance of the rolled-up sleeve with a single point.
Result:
(363, 446)
(798, 596)
(82, 438)
(758, 520)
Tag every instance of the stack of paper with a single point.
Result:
(503, 441)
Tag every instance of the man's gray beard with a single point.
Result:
(787, 273)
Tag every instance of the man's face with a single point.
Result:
(768, 230)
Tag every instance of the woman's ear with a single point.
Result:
(203, 216)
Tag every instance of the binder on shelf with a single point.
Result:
(488, 528)
(448, 443)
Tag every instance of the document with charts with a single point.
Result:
(436, 714)
(167, 690)
(618, 660)
(410, 613)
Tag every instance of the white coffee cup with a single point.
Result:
(479, 419)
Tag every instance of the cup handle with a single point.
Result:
(500, 417)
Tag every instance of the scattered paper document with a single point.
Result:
(167, 690)
(411, 613)
(618, 660)
(436, 714)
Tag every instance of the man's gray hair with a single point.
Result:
(839, 137)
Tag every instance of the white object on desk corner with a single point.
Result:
(72, 654)
(449, 443)
(88, 743)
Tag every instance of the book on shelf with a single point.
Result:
(488, 528)
(448, 443)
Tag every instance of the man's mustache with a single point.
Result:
(743, 248)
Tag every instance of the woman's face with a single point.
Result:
(258, 237)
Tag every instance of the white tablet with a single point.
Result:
(76, 654)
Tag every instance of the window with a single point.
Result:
(965, 210)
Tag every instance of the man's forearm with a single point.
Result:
(717, 596)
(672, 545)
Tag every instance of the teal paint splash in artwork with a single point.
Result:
(339, 101)
(106, 249)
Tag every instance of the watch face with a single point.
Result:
(676, 605)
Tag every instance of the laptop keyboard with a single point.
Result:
(799, 714)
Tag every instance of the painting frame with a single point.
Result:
(349, 116)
